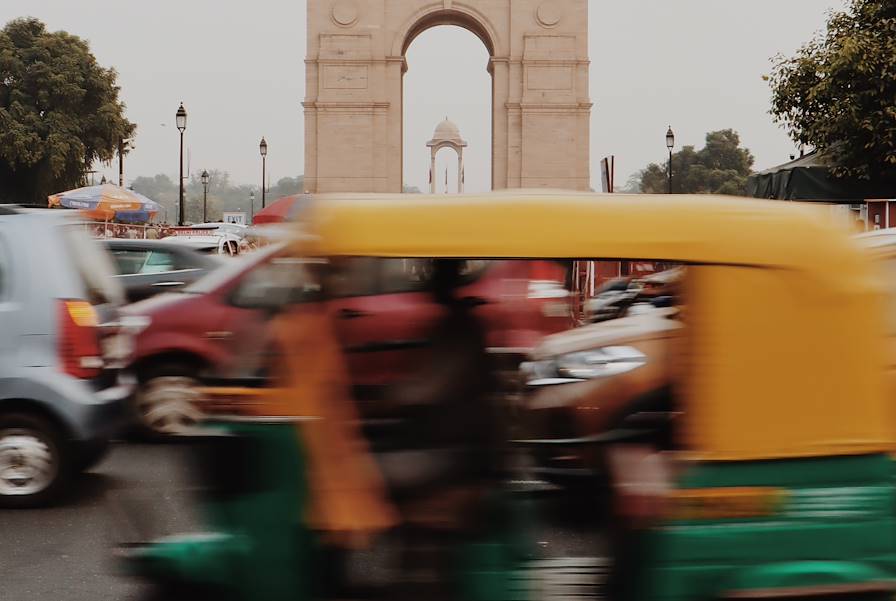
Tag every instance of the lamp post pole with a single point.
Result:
(205, 179)
(251, 206)
(670, 144)
(124, 144)
(263, 149)
(120, 162)
(181, 119)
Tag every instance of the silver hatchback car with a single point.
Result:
(62, 346)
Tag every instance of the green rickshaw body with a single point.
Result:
(797, 528)
(256, 544)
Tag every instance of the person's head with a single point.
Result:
(445, 279)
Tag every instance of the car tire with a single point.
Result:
(165, 400)
(34, 467)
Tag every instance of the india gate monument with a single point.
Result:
(355, 65)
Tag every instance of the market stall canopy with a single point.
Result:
(106, 202)
(282, 209)
(808, 178)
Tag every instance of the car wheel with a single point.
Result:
(166, 401)
(33, 469)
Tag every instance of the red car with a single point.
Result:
(384, 310)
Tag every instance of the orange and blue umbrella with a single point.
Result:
(106, 202)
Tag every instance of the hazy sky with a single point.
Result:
(238, 67)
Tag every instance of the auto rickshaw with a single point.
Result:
(778, 482)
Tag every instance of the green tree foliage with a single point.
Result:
(838, 93)
(59, 112)
(286, 186)
(223, 196)
(720, 167)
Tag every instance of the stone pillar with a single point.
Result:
(432, 173)
(460, 171)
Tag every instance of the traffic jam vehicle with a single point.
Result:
(584, 383)
(64, 344)
(383, 310)
(730, 495)
(210, 238)
(149, 267)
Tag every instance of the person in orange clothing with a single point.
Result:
(348, 500)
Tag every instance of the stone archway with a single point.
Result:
(356, 62)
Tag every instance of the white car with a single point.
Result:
(216, 244)
(217, 228)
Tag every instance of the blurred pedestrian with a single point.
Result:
(446, 455)
(349, 504)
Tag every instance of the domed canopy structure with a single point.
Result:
(446, 132)
(447, 135)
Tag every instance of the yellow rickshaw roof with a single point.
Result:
(524, 223)
(784, 361)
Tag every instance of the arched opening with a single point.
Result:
(448, 17)
(446, 177)
(447, 77)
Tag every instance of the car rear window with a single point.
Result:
(129, 262)
(159, 261)
(93, 266)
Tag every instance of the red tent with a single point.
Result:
(282, 209)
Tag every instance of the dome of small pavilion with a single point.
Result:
(446, 131)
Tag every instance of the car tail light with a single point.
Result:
(79, 339)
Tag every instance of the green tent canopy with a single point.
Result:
(809, 179)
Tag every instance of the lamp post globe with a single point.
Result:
(263, 150)
(670, 144)
(181, 120)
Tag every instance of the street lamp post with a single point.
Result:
(670, 144)
(263, 149)
(124, 144)
(181, 119)
(251, 206)
(204, 177)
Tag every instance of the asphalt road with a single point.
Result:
(64, 552)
